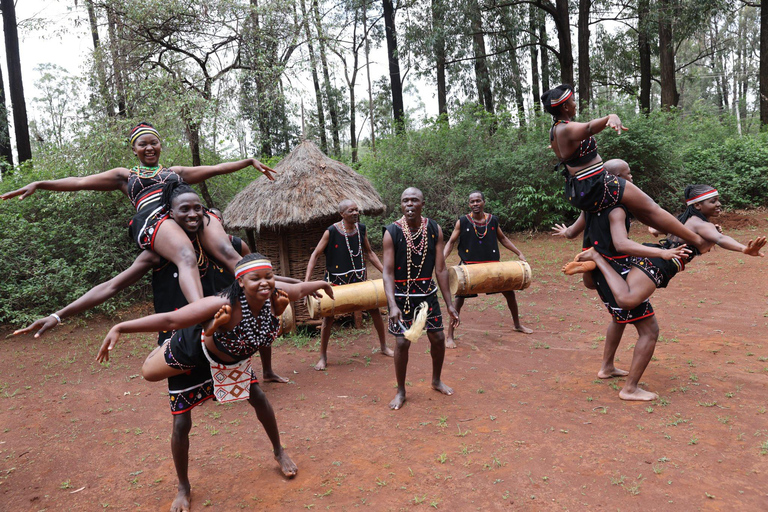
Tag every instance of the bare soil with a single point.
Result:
(530, 426)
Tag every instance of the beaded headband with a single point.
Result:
(701, 197)
(251, 266)
(143, 129)
(562, 99)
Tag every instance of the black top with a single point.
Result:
(145, 192)
(585, 153)
(344, 263)
(597, 232)
(478, 243)
(421, 283)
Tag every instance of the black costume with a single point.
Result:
(146, 195)
(478, 243)
(344, 258)
(597, 235)
(421, 287)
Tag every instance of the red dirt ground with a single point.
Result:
(529, 428)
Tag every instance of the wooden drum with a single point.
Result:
(348, 298)
(287, 321)
(492, 277)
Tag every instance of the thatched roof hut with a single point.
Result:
(285, 219)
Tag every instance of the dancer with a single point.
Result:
(475, 246)
(346, 248)
(588, 186)
(413, 250)
(220, 333)
(607, 234)
(144, 186)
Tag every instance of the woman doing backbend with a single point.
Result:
(588, 186)
(151, 228)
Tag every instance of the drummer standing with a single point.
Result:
(344, 264)
(478, 235)
(413, 250)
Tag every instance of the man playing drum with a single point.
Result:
(346, 248)
(478, 235)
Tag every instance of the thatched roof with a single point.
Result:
(307, 189)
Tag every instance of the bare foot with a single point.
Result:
(273, 377)
(321, 364)
(287, 466)
(449, 343)
(221, 317)
(439, 386)
(638, 395)
(578, 267)
(385, 350)
(523, 329)
(608, 372)
(397, 402)
(181, 502)
(280, 301)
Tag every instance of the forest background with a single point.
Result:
(230, 79)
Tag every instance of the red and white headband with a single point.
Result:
(251, 266)
(701, 197)
(562, 99)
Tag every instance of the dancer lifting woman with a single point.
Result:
(151, 228)
(588, 186)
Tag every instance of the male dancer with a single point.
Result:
(187, 390)
(478, 234)
(413, 250)
(346, 248)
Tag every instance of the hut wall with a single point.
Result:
(299, 242)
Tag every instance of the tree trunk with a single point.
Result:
(329, 92)
(585, 81)
(764, 65)
(562, 22)
(352, 125)
(15, 84)
(117, 63)
(315, 81)
(98, 58)
(545, 85)
(193, 138)
(398, 110)
(368, 72)
(6, 152)
(669, 94)
(482, 76)
(532, 11)
(438, 27)
(644, 49)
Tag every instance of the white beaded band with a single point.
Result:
(57, 317)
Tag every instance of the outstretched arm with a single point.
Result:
(191, 314)
(572, 231)
(371, 256)
(97, 295)
(301, 290)
(442, 279)
(710, 233)
(581, 131)
(114, 179)
(200, 173)
(506, 242)
(625, 245)
(451, 241)
(321, 245)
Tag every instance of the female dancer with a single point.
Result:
(588, 186)
(222, 332)
(150, 226)
(649, 273)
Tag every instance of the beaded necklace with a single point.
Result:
(147, 172)
(352, 256)
(486, 218)
(411, 248)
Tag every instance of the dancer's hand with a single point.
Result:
(753, 247)
(266, 171)
(559, 230)
(681, 251)
(719, 228)
(455, 321)
(521, 257)
(43, 324)
(24, 192)
(395, 315)
(328, 289)
(615, 123)
(109, 343)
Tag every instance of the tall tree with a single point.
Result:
(669, 94)
(15, 84)
(114, 29)
(585, 82)
(398, 109)
(482, 75)
(644, 51)
(438, 29)
(532, 26)
(315, 81)
(545, 83)
(368, 74)
(98, 58)
(763, 65)
(330, 93)
(6, 152)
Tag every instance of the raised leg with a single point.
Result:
(512, 305)
(172, 243)
(458, 302)
(437, 351)
(648, 334)
(612, 340)
(182, 424)
(402, 346)
(155, 368)
(628, 293)
(216, 243)
(325, 336)
(378, 324)
(266, 416)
